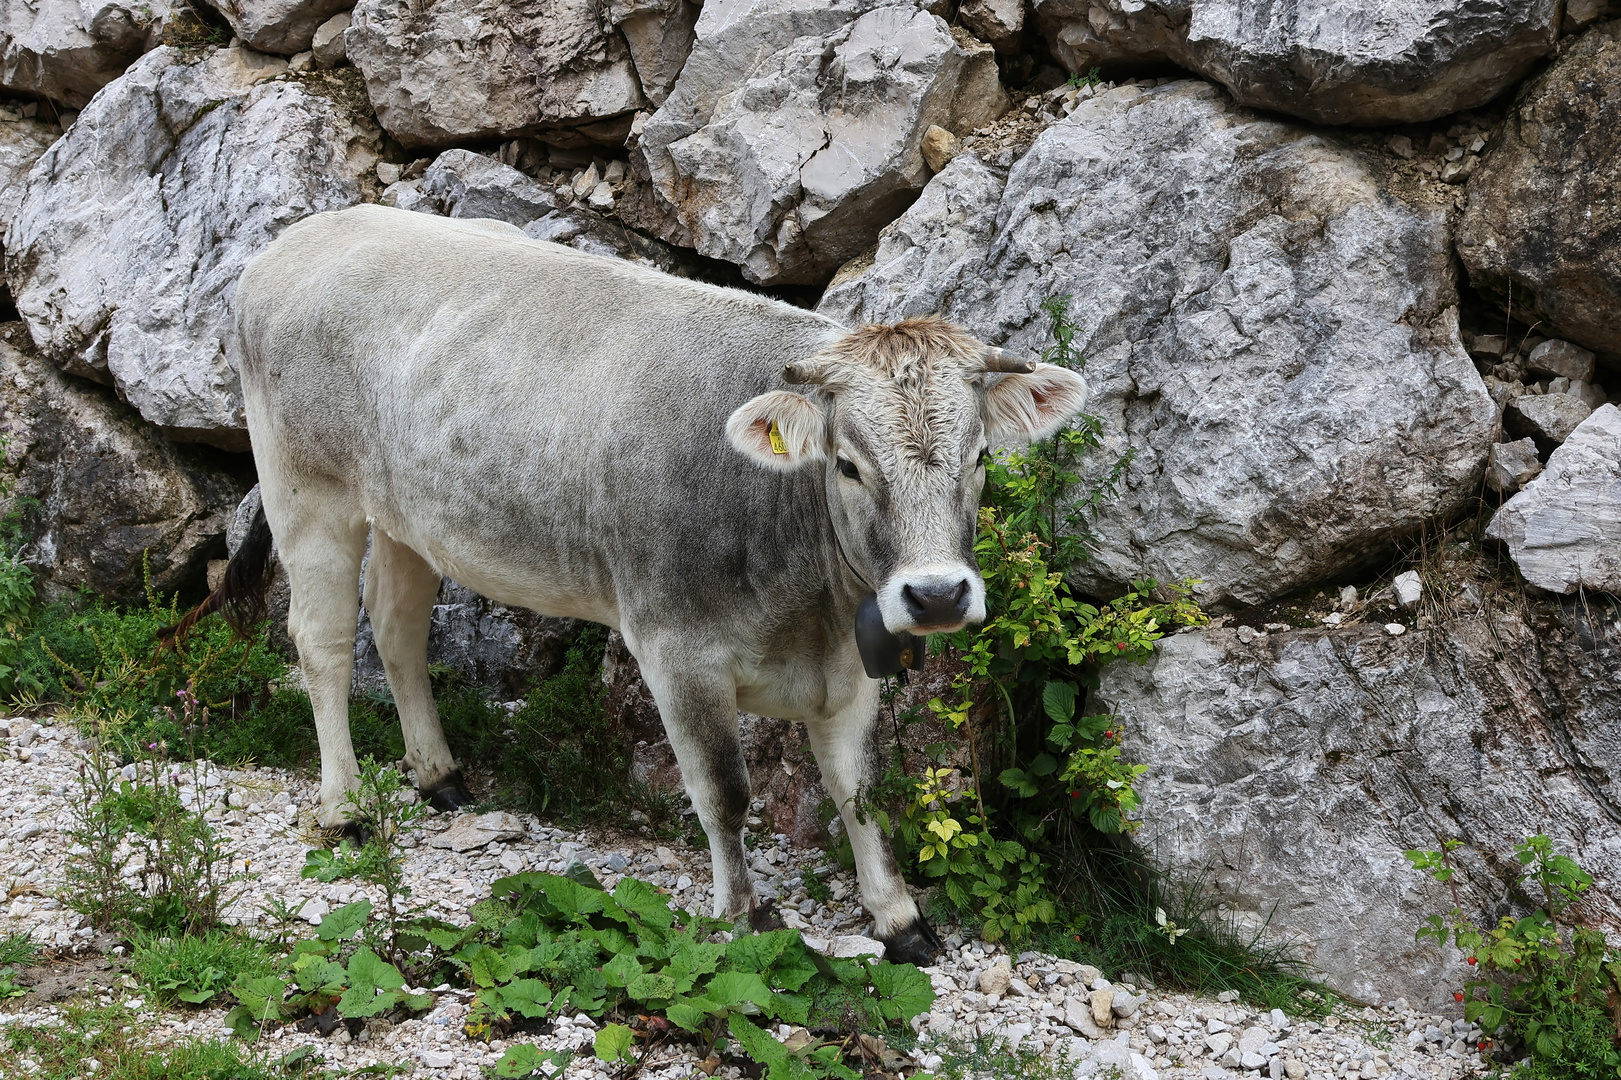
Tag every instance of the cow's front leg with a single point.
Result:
(846, 751)
(699, 709)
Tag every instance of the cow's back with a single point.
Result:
(542, 424)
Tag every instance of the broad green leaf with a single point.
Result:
(261, 996)
(368, 974)
(903, 990)
(614, 1043)
(529, 998)
(1058, 698)
(646, 902)
(345, 922)
(690, 1014)
(525, 1059)
(621, 970)
(735, 989)
(756, 952)
(651, 987)
(489, 967)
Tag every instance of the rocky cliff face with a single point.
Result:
(1257, 213)
(1295, 767)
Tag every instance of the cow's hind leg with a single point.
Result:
(845, 749)
(699, 709)
(400, 590)
(321, 539)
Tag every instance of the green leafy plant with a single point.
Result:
(16, 590)
(383, 805)
(1537, 981)
(1038, 766)
(195, 969)
(183, 872)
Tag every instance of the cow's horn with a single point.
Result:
(798, 372)
(995, 359)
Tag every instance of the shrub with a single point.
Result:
(1538, 982)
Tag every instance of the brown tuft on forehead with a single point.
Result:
(922, 346)
(905, 364)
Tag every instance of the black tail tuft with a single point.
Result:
(240, 598)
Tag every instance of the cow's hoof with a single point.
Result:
(451, 794)
(915, 943)
(764, 917)
(352, 831)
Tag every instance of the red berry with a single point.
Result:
(1457, 997)
(1470, 961)
(1075, 794)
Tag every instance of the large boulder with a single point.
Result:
(1543, 219)
(463, 70)
(1290, 774)
(1564, 529)
(1378, 62)
(1271, 332)
(105, 495)
(278, 26)
(125, 251)
(66, 50)
(795, 131)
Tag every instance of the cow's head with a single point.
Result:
(900, 423)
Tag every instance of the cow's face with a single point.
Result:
(900, 423)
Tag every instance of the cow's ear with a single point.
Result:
(1023, 408)
(780, 430)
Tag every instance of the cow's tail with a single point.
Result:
(240, 597)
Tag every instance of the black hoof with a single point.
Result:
(764, 917)
(354, 832)
(451, 794)
(915, 943)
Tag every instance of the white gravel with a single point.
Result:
(1030, 1000)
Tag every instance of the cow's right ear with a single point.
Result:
(780, 430)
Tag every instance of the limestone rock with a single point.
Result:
(327, 46)
(1557, 359)
(1564, 529)
(21, 144)
(476, 830)
(463, 70)
(939, 147)
(1542, 215)
(659, 34)
(133, 227)
(463, 184)
(106, 487)
(1078, 1015)
(997, 978)
(1290, 416)
(995, 22)
(66, 50)
(1369, 63)
(1409, 588)
(1299, 767)
(283, 27)
(1512, 466)
(1547, 418)
(794, 132)
(850, 946)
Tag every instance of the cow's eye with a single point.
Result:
(848, 468)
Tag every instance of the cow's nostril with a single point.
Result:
(931, 605)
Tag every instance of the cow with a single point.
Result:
(722, 477)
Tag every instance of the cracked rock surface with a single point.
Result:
(132, 229)
(1368, 63)
(794, 131)
(1297, 765)
(1271, 331)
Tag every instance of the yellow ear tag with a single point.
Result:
(777, 445)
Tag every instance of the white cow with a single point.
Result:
(590, 438)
